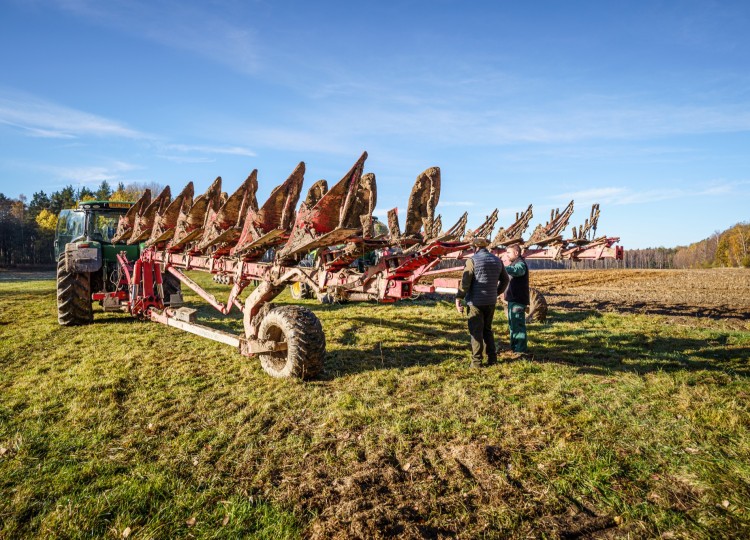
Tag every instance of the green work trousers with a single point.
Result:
(517, 325)
(480, 330)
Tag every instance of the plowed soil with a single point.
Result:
(710, 294)
(720, 293)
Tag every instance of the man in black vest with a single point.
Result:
(517, 297)
(483, 280)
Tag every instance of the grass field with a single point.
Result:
(623, 425)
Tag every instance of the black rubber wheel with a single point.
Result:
(73, 296)
(171, 285)
(223, 279)
(299, 290)
(536, 311)
(305, 340)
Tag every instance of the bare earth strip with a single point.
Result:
(719, 293)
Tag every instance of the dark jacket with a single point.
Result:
(518, 289)
(483, 280)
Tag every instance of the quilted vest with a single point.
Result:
(487, 270)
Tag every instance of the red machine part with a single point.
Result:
(230, 236)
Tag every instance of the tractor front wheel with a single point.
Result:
(302, 332)
(73, 296)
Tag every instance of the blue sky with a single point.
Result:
(643, 107)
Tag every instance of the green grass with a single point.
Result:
(621, 425)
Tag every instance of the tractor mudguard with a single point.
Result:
(83, 257)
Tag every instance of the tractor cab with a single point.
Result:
(92, 221)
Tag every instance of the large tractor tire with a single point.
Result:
(73, 296)
(536, 311)
(305, 341)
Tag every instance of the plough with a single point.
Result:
(331, 246)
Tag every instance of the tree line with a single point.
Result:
(27, 228)
(27, 232)
(723, 249)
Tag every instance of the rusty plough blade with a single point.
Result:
(334, 217)
(455, 233)
(166, 220)
(144, 221)
(223, 226)
(270, 224)
(190, 222)
(127, 222)
(422, 202)
(514, 233)
(550, 233)
(485, 229)
(586, 233)
(421, 224)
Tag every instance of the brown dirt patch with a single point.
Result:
(711, 294)
(453, 491)
(714, 293)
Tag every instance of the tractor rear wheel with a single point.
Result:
(73, 296)
(303, 334)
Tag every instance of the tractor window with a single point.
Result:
(70, 225)
(62, 222)
(104, 225)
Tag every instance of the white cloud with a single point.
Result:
(175, 24)
(40, 118)
(457, 203)
(206, 149)
(624, 196)
(93, 174)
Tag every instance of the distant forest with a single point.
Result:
(27, 231)
(27, 228)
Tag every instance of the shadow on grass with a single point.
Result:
(600, 352)
(409, 342)
(591, 350)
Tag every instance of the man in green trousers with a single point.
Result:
(483, 280)
(517, 296)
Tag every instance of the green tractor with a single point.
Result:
(87, 265)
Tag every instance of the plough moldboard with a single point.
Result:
(331, 247)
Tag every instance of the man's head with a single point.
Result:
(479, 242)
(513, 251)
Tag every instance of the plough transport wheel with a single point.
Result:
(73, 296)
(536, 311)
(303, 334)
